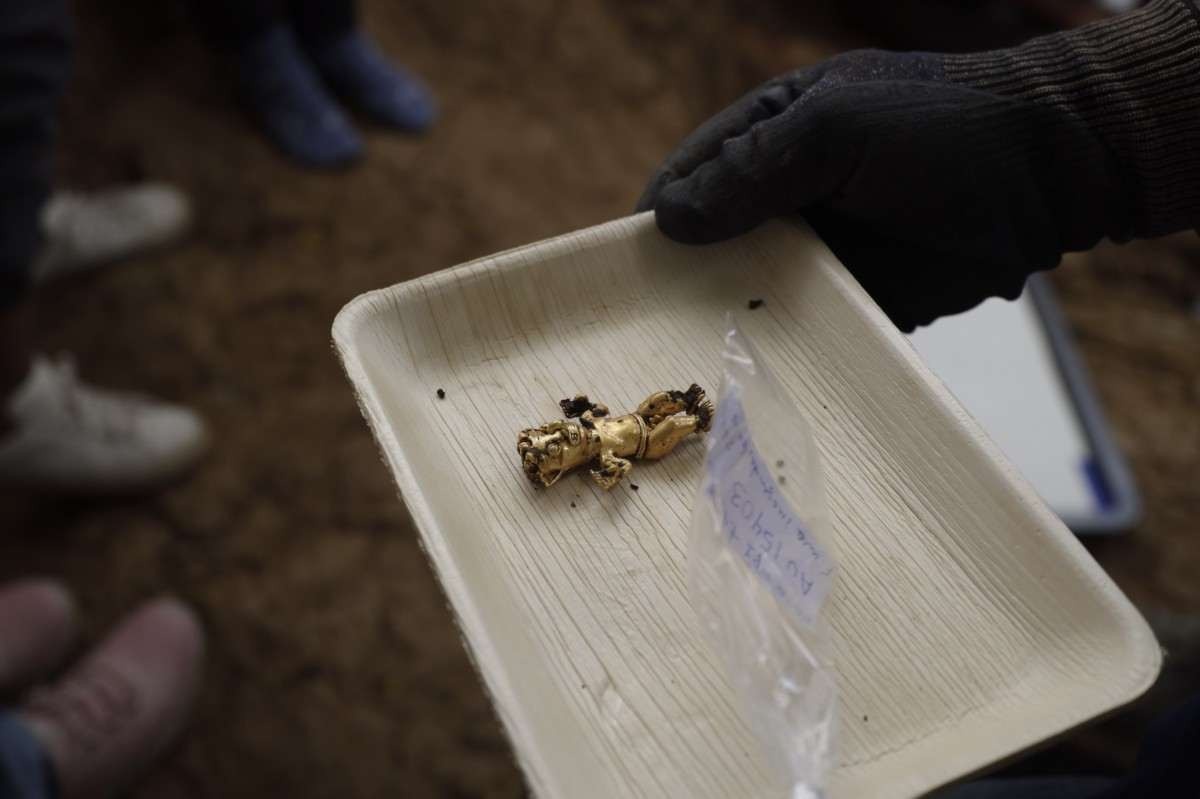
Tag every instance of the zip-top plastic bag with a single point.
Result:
(761, 568)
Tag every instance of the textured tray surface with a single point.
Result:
(969, 624)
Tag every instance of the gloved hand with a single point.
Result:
(943, 180)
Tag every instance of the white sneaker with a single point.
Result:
(86, 230)
(69, 437)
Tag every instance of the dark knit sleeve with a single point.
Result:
(1135, 81)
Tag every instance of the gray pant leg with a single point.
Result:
(35, 47)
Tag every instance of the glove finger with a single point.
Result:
(913, 283)
(703, 144)
(778, 166)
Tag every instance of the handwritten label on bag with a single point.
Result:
(757, 521)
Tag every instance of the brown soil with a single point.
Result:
(334, 667)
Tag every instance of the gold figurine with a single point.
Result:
(609, 442)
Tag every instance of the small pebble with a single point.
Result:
(864, 718)
(634, 486)
(755, 304)
(782, 479)
(572, 504)
(779, 464)
(441, 393)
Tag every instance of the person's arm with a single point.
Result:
(941, 180)
(1135, 82)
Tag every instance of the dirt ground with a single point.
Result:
(334, 667)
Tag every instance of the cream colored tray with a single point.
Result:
(969, 623)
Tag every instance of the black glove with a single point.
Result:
(943, 180)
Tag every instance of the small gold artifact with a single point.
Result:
(609, 442)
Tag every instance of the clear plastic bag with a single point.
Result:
(761, 566)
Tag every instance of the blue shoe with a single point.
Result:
(287, 97)
(389, 94)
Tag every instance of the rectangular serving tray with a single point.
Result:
(969, 624)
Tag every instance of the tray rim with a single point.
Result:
(479, 644)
